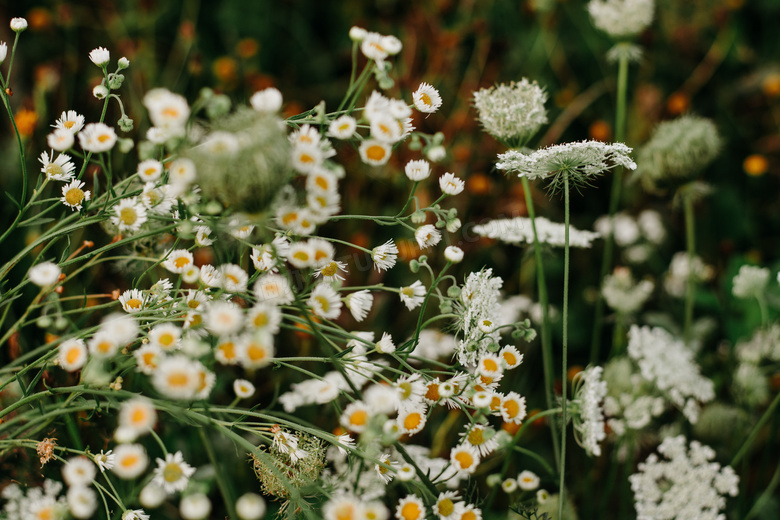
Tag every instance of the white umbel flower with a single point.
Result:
(589, 424)
(621, 18)
(512, 113)
(684, 483)
(750, 281)
(519, 230)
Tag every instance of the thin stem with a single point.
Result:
(564, 418)
(224, 487)
(754, 432)
(690, 238)
(765, 496)
(614, 203)
(547, 357)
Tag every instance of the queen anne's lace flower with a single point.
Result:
(750, 281)
(685, 485)
(622, 294)
(589, 423)
(669, 365)
(621, 18)
(577, 161)
(512, 113)
(518, 230)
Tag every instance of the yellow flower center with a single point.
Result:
(172, 472)
(358, 418)
(53, 170)
(426, 99)
(129, 461)
(68, 124)
(178, 379)
(74, 196)
(128, 216)
(490, 364)
(133, 303)
(330, 269)
(412, 421)
(464, 459)
(475, 437)
(72, 355)
(255, 352)
(375, 153)
(228, 350)
(103, 138)
(261, 320)
(410, 511)
(138, 416)
(324, 303)
(166, 339)
(512, 408)
(446, 507)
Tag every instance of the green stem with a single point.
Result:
(765, 496)
(754, 432)
(614, 202)
(690, 238)
(547, 357)
(564, 418)
(224, 487)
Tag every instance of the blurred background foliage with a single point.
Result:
(716, 58)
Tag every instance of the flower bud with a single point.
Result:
(100, 91)
(125, 124)
(123, 63)
(453, 254)
(18, 24)
(115, 81)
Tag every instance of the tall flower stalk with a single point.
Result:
(564, 165)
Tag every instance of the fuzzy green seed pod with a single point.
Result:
(244, 161)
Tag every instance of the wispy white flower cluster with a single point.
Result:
(518, 230)
(685, 483)
(589, 422)
(750, 282)
(621, 18)
(622, 294)
(755, 356)
(479, 301)
(638, 235)
(579, 160)
(512, 113)
(676, 278)
(669, 365)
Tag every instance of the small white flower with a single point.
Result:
(82, 501)
(384, 256)
(374, 152)
(71, 121)
(268, 101)
(130, 461)
(426, 99)
(243, 388)
(451, 185)
(343, 127)
(427, 236)
(412, 295)
(149, 170)
(72, 354)
(195, 506)
(152, 496)
(129, 214)
(97, 137)
(417, 170)
(44, 274)
(18, 24)
(453, 254)
(750, 281)
(59, 169)
(528, 480)
(105, 460)
(385, 345)
(79, 472)
(250, 506)
(60, 140)
(3, 51)
(135, 514)
(172, 473)
(359, 304)
(73, 195)
(100, 56)
(100, 92)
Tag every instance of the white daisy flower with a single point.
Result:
(73, 195)
(325, 302)
(250, 506)
(59, 169)
(451, 185)
(167, 110)
(384, 256)
(411, 507)
(132, 300)
(411, 419)
(129, 215)
(82, 501)
(72, 354)
(138, 414)
(343, 127)
(71, 121)
(224, 318)
(446, 505)
(273, 289)
(79, 472)
(60, 140)
(130, 461)
(359, 304)
(234, 278)
(182, 172)
(264, 316)
(267, 101)
(195, 506)
(330, 271)
(427, 236)
(97, 137)
(385, 345)
(256, 350)
(104, 460)
(301, 255)
(149, 170)
(355, 417)
(103, 344)
(374, 152)
(426, 99)
(177, 377)
(172, 474)
(412, 295)
(465, 458)
(243, 388)
(528, 480)
(100, 56)
(44, 274)
(147, 358)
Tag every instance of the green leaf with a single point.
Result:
(34, 222)
(18, 206)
